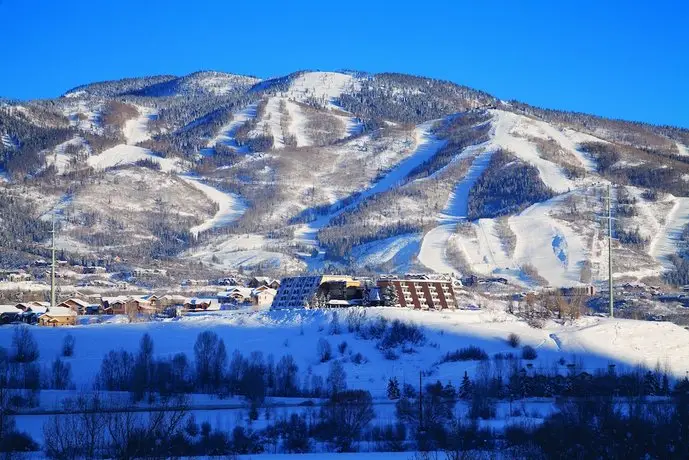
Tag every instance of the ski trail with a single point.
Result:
(136, 129)
(427, 146)
(226, 133)
(665, 242)
(433, 251)
(230, 206)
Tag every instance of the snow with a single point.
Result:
(135, 130)
(324, 86)
(226, 133)
(665, 241)
(271, 122)
(298, 124)
(596, 341)
(506, 127)
(682, 149)
(396, 249)
(549, 244)
(433, 252)
(230, 206)
(246, 251)
(128, 154)
(426, 146)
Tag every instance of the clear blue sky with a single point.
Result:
(623, 59)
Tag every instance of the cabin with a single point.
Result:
(9, 314)
(58, 316)
(235, 295)
(257, 281)
(77, 305)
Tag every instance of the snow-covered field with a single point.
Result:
(593, 340)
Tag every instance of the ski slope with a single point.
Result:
(135, 130)
(426, 146)
(230, 206)
(550, 245)
(123, 154)
(507, 127)
(433, 251)
(322, 86)
(226, 134)
(666, 240)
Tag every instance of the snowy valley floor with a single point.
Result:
(591, 343)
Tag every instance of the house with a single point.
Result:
(9, 314)
(119, 305)
(257, 281)
(77, 305)
(235, 295)
(58, 316)
(33, 306)
(418, 293)
(262, 298)
(196, 304)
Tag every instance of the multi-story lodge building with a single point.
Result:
(299, 291)
(424, 294)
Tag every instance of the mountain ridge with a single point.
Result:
(330, 165)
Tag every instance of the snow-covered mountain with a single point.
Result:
(342, 170)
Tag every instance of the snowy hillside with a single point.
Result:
(384, 172)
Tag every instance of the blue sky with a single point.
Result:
(625, 59)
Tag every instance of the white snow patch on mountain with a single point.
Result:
(682, 149)
(397, 250)
(298, 124)
(665, 242)
(322, 86)
(226, 134)
(230, 206)
(135, 130)
(128, 154)
(549, 244)
(508, 128)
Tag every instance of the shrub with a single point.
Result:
(358, 358)
(342, 347)
(400, 333)
(514, 340)
(68, 345)
(324, 350)
(529, 352)
(470, 353)
(390, 355)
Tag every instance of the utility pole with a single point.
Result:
(52, 266)
(611, 294)
(420, 404)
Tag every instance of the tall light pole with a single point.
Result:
(611, 294)
(52, 266)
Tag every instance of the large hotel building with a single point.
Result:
(424, 294)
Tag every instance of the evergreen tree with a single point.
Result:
(466, 387)
(393, 388)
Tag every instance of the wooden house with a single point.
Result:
(58, 316)
(77, 305)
